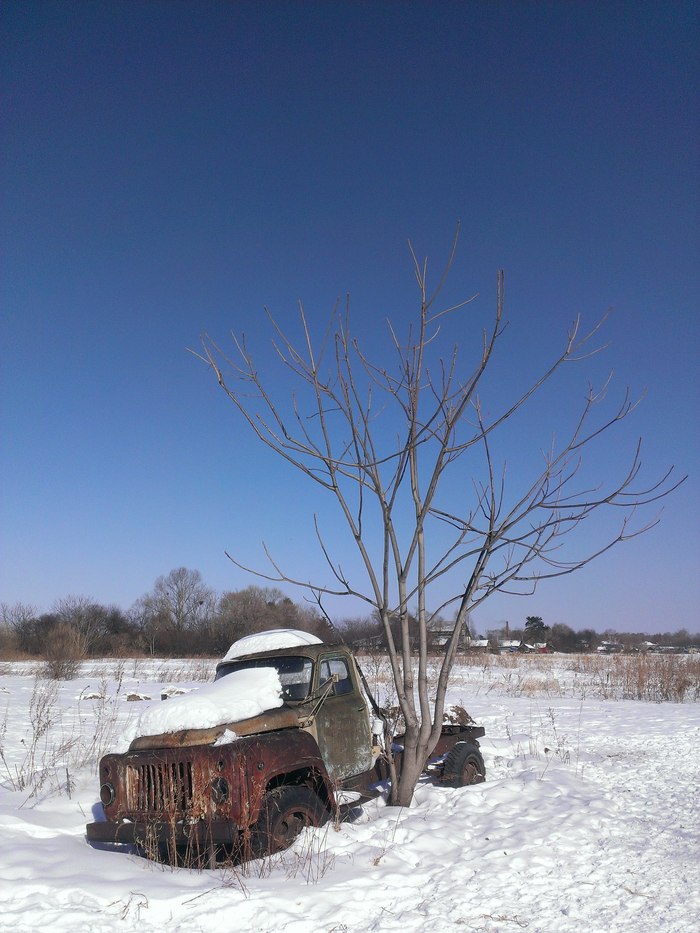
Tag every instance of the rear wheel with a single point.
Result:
(285, 812)
(464, 765)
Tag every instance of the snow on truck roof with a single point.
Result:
(271, 640)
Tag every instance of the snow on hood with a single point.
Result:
(270, 641)
(239, 695)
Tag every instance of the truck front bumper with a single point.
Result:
(197, 835)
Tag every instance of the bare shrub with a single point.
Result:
(63, 652)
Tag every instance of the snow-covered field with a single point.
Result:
(589, 819)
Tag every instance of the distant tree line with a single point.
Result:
(183, 617)
(180, 616)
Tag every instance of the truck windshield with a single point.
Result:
(294, 673)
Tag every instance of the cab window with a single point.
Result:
(294, 673)
(331, 666)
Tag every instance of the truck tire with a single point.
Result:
(285, 812)
(464, 765)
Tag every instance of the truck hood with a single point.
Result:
(270, 721)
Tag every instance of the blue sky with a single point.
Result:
(170, 168)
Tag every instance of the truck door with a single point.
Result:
(342, 723)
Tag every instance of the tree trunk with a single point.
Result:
(402, 791)
(417, 747)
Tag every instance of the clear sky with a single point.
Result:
(170, 168)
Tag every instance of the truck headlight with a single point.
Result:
(107, 794)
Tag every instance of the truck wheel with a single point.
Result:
(284, 813)
(464, 765)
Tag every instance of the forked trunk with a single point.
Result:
(412, 763)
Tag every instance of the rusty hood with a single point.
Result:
(270, 721)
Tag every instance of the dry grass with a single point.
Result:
(656, 678)
(58, 742)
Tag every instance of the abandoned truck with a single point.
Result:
(246, 788)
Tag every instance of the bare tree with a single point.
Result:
(337, 431)
(255, 609)
(84, 615)
(20, 620)
(179, 604)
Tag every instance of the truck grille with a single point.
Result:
(161, 787)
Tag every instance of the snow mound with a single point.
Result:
(237, 696)
(270, 641)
